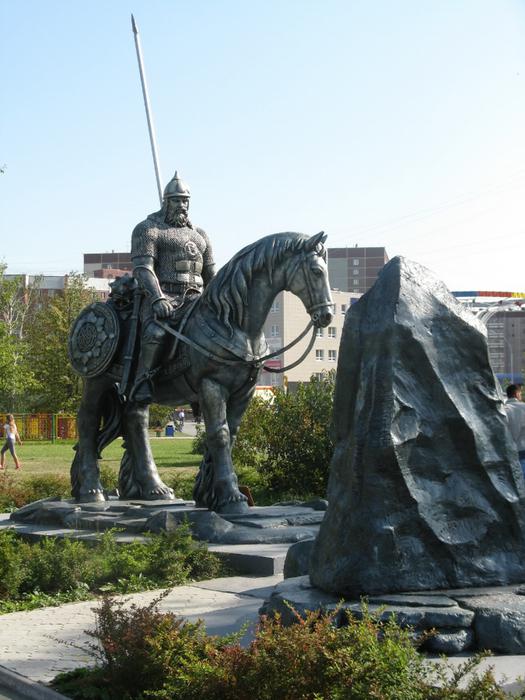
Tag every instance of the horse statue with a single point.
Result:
(216, 355)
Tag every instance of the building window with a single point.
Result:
(319, 375)
(275, 306)
(320, 332)
(356, 272)
(274, 331)
(319, 355)
(332, 332)
(343, 309)
(355, 283)
(332, 355)
(356, 261)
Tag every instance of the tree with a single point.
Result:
(17, 377)
(59, 387)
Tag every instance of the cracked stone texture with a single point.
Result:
(499, 620)
(425, 489)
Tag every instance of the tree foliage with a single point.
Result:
(17, 376)
(59, 387)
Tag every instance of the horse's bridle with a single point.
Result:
(302, 263)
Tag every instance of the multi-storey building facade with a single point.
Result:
(107, 264)
(506, 342)
(49, 285)
(355, 269)
(286, 320)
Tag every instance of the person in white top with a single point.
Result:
(11, 437)
(515, 409)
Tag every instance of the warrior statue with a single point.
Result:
(173, 262)
(202, 343)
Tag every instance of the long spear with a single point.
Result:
(149, 117)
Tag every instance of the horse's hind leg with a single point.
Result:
(85, 473)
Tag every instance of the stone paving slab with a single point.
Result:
(257, 525)
(39, 644)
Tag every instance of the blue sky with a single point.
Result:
(383, 122)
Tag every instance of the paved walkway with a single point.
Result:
(39, 644)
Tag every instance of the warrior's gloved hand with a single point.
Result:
(162, 308)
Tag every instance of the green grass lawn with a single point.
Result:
(39, 458)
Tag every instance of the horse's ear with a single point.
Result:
(315, 240)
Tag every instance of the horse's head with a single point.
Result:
(308, 279)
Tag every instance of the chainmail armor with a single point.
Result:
(182, 256)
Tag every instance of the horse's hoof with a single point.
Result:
(91, 496)
(233, 505)
(159, 493)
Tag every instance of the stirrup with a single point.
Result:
(142, 391)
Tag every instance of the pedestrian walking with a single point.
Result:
(515, 409)
(11, 438)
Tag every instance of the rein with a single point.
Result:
(254, 363)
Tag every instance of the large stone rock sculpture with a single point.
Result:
(425, 490)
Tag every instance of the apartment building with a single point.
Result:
(50, 285)
(506, 343)
(286, 320)
(355, 269)
(107, 265)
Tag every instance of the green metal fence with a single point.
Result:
(44, 426)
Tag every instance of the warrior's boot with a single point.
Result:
(142, 391)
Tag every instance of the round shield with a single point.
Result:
(94, 339)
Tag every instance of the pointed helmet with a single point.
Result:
(176, 187)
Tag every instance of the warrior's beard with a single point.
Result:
(179, 219)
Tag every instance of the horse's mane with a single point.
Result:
(227, 293)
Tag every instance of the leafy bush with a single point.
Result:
(142, 653)
(16, 493)
(181, 482)
(159, 414)
(58, 567)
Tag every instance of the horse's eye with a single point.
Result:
(317, 271)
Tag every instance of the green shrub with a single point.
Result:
(142, 653)
(108, 477)
(181, 482)
(12, 571)
(159, 414)
(58, 567)
(15, 494)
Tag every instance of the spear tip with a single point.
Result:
(133, 25)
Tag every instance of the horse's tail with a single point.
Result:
(111, 428)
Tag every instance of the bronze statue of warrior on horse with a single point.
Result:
(177, 332)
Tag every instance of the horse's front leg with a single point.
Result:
(139, 477)
(221, 492)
